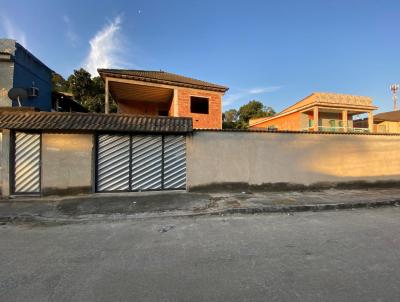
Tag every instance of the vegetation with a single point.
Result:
(239, 119)
(87, 91)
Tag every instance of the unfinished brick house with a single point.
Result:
(160, 93)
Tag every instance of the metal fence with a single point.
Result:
(26, 176)
(140, 162)
(113, 162)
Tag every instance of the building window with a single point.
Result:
(198, 105)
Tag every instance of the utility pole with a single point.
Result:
(394, 88)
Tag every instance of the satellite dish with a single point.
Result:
(18, 94)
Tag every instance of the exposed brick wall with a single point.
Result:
(180, 106)
(141, 108)
(288, 122)
(213, 119)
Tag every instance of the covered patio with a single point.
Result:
(328, 119)
(134, 97)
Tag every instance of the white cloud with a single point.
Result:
(105, 48)
(248, 93)
(70, 34)
(12, 32)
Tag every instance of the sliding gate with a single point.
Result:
(140, 162)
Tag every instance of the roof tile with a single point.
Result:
(161, 77)
(93, 121)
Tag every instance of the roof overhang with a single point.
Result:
(390, 116)
(107, 73)
(123, 91)
(90, 122)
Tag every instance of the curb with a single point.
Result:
(175, 214)
(309, 207)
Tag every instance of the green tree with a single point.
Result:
(59, 83)
(88, 91)
(229, 119)
(254, 109)
(239, 119)
(81, 84)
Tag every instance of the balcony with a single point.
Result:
(337, 129)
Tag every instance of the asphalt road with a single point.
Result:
(329, 256)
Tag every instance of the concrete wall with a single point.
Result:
(388, 127)
(67, 163)
(7, 46)
(215, 158)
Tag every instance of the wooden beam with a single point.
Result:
(106, 99)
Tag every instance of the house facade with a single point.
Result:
(21, 69)
(324, 112)
(160, 93)
(385, 122)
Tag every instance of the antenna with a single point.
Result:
(394, 88)
(18, 94)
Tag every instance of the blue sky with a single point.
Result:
(274, 51)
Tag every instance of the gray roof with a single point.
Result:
(84, 122)
(161, 77)
(391, 116)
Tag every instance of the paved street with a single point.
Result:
(325, 256)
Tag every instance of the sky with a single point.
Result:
(277, 52)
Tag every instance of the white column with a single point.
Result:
(344, 119)
(316, 118)
(370, 122)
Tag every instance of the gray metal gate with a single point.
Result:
(113, 162)
(26, 176)
(140, 162)
(174, 162)
(146, 162)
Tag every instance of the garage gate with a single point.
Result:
(26, 165)
(140, 162)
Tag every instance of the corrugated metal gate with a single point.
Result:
(140, 162)
(26, 172)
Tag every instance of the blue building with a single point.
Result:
(20, 69)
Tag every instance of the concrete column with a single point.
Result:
(175, 101)
(344, 119)
(5, 163)
(106, 96)
(316, 118)
(370, 122)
